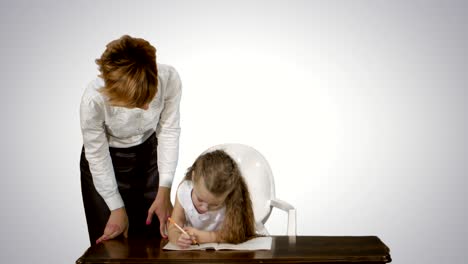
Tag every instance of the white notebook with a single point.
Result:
(258, 243)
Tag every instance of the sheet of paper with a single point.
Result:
(258, 243)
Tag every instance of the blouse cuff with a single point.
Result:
(165, 180)
(114, 202)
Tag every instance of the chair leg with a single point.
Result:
(292, 222)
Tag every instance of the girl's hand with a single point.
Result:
(116, 225)
(201, 236)
(193, 232)
(184, 240)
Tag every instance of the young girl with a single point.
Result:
(213, 202)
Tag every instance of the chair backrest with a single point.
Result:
(258, 175)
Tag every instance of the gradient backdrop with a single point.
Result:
(360, 107)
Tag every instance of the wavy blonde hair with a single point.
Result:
(128, 67)
(221, 174)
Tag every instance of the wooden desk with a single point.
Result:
(300, 249)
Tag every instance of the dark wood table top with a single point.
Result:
(300, 249)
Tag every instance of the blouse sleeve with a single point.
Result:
(168, 130)
(97, 151)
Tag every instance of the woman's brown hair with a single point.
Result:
(221, 174)
(128, 67)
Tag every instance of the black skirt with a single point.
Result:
(137, 176)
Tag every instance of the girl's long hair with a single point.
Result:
(221, 174)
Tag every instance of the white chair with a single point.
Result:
(257, 172)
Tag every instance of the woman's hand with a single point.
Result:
(116, 225)
(162, 207)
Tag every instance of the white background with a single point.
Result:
(359, 106)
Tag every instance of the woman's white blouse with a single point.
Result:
(209, 221)
(103, 125)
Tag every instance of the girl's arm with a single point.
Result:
(175, 235)
(204, 236)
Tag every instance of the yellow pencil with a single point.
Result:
(182, 230)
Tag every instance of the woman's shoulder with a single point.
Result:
(165, 68)
(92, 93)
(166, 71)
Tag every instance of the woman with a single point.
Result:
(129, 119)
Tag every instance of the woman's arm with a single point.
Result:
(168, 126)
(97, 150)
(100, 164)
(167, 132)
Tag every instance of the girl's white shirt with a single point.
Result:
(209, 221)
